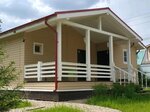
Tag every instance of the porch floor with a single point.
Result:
(63, 86)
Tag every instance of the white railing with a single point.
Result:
(100, 71)
(70, 69)
(39, 71)
(121, 75)
(136, 73)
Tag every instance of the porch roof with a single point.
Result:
(73, 14)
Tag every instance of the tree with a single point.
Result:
(0, 25)
(8, 98)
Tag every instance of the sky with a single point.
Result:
(136, 13)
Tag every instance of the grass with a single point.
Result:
(137, 102)
(23, 104)
(60, 109)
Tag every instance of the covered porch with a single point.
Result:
(87, 54)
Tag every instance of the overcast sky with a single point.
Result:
(136, 13)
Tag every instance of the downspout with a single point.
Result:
(55, 53)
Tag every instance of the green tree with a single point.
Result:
(8, 98)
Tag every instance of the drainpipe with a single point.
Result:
(55, 53)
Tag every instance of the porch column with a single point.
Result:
(129, 60)
(88, 55)
(59, 51)
(111, 58)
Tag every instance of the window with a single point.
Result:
(38, 48)
(125, 56)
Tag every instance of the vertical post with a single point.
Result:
(129, 60)
(145, 81)
(100, 23)
(142, 80)
(59, 51)
(88, 55)
(111, 58)
(39, 78)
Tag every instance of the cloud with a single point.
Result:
(69, 4)
(19, 8)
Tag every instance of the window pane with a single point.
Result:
(37, 49)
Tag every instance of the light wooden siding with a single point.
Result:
(14, 49)
(102, 46)
(72, 40)
(79, 85)
(44, 36)
(118, 54)
(133, 57)
(40, 86)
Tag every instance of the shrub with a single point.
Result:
(101, 90)
(117, 90)
(8, 99)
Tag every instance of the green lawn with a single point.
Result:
(60, 109)
(23, 104)
(139, 104)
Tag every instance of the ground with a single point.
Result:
(76, 103)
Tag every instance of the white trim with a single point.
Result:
(43, 90)
(41, 47)
(75, 90)
(125, 50)
(93, 29)
(81, 14)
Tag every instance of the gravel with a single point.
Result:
(47, 104)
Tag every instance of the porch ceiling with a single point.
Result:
(109, 24)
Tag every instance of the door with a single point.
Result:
(81, 58)
(103, 57)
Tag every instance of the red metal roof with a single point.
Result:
(64, 12)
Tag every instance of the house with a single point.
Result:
(145, 63)
(64, 54)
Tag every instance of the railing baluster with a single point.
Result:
(146, 81)
(120, 79)
(124, 78)
(142, 80)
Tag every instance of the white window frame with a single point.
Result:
(125, 62)
(40, 44)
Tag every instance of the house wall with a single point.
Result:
(71, 41)
(41, 36)
(118, 54)
(13, 47)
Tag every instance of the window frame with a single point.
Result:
(41, 47)
(125, 62)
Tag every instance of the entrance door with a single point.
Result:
(103, 57)
(81, 58)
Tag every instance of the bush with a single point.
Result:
(8, 99)
(117, 90)
(101, 90)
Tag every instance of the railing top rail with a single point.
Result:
(94, 65)
(139, 71)
(123, 70)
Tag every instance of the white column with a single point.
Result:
(59, 51)
(39, 78)
(88, 55)
(129, 60)
(111, 58)
(100, 23)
